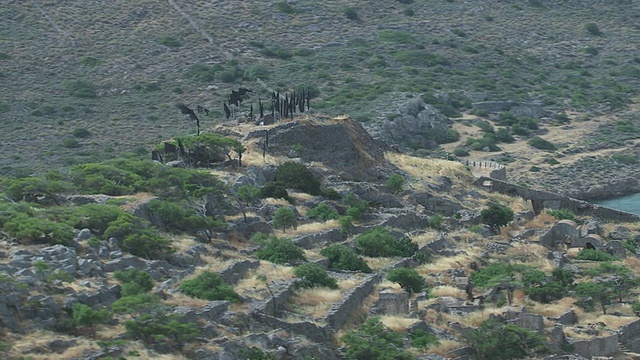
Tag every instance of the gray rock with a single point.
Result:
(84, 234)
(124, 263)
(59, 346)
(616, 248)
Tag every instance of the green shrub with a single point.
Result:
(280, 251)
(373, 340)
(97, 217)
(627, 159)
(276, 51)
(485, 126)
(593, 29)
(285, 218)
(313, 275)
(158, 328)
(209, 286)
(169, 41)
(81, 89)
(330, 194)
(461, 152)
(420, 58)
(356, 207)
(378, 242)
(346, 224)
(285, 7)
(147, 243)
(496, 216)
(203, 73)
(342, 257)
(435, 221)
(323, 212)
(397, 37)
(494, 340)
(562, 214)
(504, 135)
(274, 189)
(84, 315)
(409, 279)
(90, 61)
(298, 176)
(542, 144)
(636, 307)
(60, 275)
(595, 255)
(134, 281)
(70, 143)
(351, 13)
(423, 340)
(394, 182)
(81, 133)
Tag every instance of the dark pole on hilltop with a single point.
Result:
(308, 99)
(261, 108)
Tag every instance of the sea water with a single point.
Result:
(629, 203)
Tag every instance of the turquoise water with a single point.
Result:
(630, 203)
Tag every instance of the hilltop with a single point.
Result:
(85, 81)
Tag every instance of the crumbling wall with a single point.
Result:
(234, 273)
(351, 301)
(601, 346)
(546, 200)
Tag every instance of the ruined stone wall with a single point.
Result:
(491, 169)
(547, 200)
(602, 346)
(629, 332)
(236, 272)
(351, 301)
(310, 330)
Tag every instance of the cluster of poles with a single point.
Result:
(286, 105)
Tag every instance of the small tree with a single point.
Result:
(313, 275)
(342, 257)
(379, 242)
(494, 340)
(496, 216)
(409, 279)
(84, 315)
(373, 340)
(590, 292)
(280, 251)
(134, 281)
(209, 286)
(322, 212)
(346, 224)
(395, 183)
(285, 218)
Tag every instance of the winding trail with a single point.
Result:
(61, 31)
(196, 26)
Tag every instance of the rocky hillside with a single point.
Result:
(84, 81)
(138, 275)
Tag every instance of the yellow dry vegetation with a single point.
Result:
(425, 238)
(516, 203)
(311, 228)
(446, 290)
(423, 168)
(379, 263)
(531, 254)
(255, 282)
(24, 346)
(541, 221)
(397, 323)
(179, 299)
(315, 302)
(445, 347)
(444, 263)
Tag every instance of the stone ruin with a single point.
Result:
(566, 233)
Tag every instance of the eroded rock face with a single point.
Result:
(414, 128)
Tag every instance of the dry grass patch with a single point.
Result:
(397, 323)
(445, 347)
(25, 345)
(442, 264)
(541, 221)
(254, 285)
(446, 290)
(379, 263)
(531, 254)
(386, 284)
(179, 299)
(555, 308)
(426, 238)
(183, 242)
(315, 302)
(424, 169)
(312, 228)
(476, 318)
